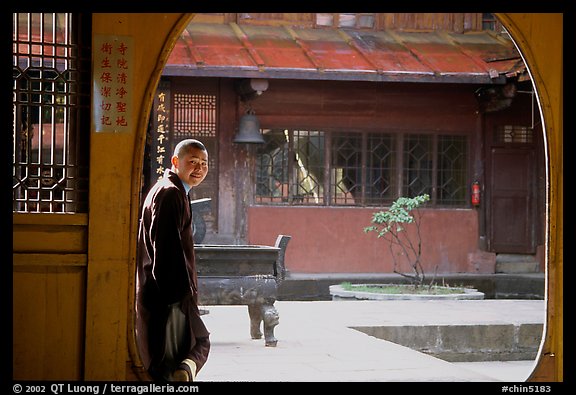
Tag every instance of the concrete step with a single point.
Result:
(516, 263)
(465, 343)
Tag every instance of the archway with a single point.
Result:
(523, 45)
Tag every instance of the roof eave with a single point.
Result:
(336, 75)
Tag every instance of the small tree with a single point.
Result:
(390, 225)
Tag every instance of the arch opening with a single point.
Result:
(190, 17)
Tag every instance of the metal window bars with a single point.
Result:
(50, 114)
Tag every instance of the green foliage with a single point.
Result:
(399, 213)
(391, 224)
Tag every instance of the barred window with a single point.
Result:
(272, 165)
(346, 169)
(51, 112)
(418, 170)
(360, 168)
(452, 171)
(291, 167)
(381, 167)
(514, 134)
(309, 157)
(194, 114)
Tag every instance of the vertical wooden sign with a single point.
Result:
(112, 85)
(160, 146)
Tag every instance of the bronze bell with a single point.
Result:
(249, 130)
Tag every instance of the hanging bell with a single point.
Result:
(249, 130)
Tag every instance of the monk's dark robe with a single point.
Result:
(166, 274)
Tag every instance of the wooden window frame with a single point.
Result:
(398, 172)
(51, 112)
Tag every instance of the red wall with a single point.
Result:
(332, 240)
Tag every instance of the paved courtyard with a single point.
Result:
(316, 342)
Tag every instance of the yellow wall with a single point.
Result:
(539, 38)
(49, 272)
(80, 324)
(116, 159)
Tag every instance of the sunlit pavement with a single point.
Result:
(316, 342)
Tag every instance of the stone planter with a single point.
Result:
(339, 293)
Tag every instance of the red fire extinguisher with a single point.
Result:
(475, 194)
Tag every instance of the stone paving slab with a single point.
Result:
(316, 343)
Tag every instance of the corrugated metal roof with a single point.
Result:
(252, 51)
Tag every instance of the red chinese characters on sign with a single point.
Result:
(160, 143)
(113, 57)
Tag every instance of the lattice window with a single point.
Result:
(418, 168)
(452, 174)
(514, 134)
(309, 165)
(195, 117)
(346, 169)
(365, 169)
(194, 114)
(51, 112)
(290, 167)
(272, 167)
(380, 168)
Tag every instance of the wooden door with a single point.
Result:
(511, 199)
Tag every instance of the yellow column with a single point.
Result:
(539, 38)
(115, 169)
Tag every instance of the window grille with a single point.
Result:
(436, 165)
(51, 112)
(346, 169)
(360, 168)
(514, 134)
(290, 167)
(418, 165)
(194, 114)
(309, 158)
(452, 175)
(381, 168)
(272, 164)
